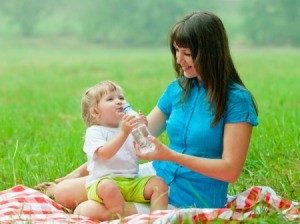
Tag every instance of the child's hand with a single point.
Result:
(128, 123)
(143, 118)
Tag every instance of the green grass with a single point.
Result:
(40, 92)
(274, 156)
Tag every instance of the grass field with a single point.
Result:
(40, 92)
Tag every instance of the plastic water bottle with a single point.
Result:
(140, 132)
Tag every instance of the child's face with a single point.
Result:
(111, 108)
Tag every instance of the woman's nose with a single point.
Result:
(179, 57)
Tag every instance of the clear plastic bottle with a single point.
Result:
(140, 132)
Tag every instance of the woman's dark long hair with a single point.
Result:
(204, 33)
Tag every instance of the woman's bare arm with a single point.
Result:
(80, 171)
(228, 168)
(156, 121)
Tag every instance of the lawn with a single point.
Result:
(41, 84)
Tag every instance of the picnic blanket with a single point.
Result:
(21, 204)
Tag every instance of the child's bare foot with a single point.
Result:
(46, 188)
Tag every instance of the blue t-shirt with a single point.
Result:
(189, 129)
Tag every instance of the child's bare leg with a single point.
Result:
(129, 209)
(111, 195)
(70, 192)
(157, 191)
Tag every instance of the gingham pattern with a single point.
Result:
(21, 204)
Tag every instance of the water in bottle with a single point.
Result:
(140, 132)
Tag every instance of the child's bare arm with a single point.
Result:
(143, 118)
(112, 147)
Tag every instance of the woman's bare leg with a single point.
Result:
(93, 209)
(96, 210)
(70, 192)
(46, 188)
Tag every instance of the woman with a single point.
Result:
(208, 114)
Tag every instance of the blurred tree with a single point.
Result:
(25, 14)
(271, 22)
(135, 22)
(119, 22)
(147, 22)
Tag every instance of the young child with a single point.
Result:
(112, 161)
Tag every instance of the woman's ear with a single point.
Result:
(95, 112)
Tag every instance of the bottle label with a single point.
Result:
(140, 134)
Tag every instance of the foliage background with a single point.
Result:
(147, 22)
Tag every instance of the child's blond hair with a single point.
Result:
(92, 97)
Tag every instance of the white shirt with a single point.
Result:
(123, 164)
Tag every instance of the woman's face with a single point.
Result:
(185, 60)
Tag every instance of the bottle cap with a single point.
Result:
(126, 107)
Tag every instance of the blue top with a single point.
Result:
(189, 129)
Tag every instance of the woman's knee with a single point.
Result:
(71, 192)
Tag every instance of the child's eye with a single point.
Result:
(121, 98)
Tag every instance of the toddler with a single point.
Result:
(113, 180)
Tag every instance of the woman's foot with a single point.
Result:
(46, 188)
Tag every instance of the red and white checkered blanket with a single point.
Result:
(21, 204)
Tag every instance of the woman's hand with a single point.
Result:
(161, 152)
